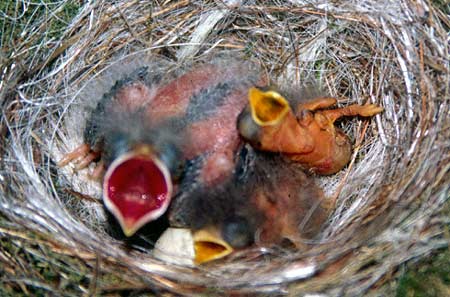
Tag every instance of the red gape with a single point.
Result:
(137, 189)
(137, 186)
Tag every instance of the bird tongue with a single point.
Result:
(137, 190)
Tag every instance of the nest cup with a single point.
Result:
(391, 200)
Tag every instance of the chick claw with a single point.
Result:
(88, 159)
(83, 156)
(80, 151)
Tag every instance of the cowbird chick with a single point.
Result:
(161, 135)
(205, 103)
(141, 168)
(138, 160)
(268, 201)
(302, 131)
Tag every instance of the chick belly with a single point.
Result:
(217, 139)
(331, 153)
(286, 137)
(218, 160)
(211, 145)
(292, 209)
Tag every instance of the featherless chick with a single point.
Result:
(268, 201)
(302, 130)
(156, 138)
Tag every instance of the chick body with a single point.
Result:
(195, 112)
(185, 123)
(302, 130)
(266, 201)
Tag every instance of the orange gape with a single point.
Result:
(304, 133)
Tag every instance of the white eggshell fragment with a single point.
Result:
(175, 246)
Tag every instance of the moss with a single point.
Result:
(430, 277)
(32, 269)
(442, 5)
(65, 16)
(20, 20)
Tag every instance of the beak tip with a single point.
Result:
(128, 227)
(128, 231)
(209, 246)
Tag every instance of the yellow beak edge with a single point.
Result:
(267, 108)
(209, 245)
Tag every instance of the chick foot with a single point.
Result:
(82, 157)
(305, 133)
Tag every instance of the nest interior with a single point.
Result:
(391, 201)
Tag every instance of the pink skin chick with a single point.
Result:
(145, 133)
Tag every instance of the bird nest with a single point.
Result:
(390, 200)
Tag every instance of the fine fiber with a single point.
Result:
(391, 205)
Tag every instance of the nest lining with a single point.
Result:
(390, 199)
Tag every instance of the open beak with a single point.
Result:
(267, 108)
(270, 124)
(209, 245)
(137, 189)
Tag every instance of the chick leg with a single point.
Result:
(88, 159)
(318, 103)
(352, 110)
(79, 152)
(83, 156)
(98, 171)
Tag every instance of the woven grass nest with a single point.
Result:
(391, 202)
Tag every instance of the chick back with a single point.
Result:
(193, 109)
(267, 197)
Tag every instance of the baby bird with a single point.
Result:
(161, 135)
(303, 131)
(267, 201)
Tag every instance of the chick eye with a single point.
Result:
(170, 156)
(247, 128)
(237, 232)
(118, 144)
